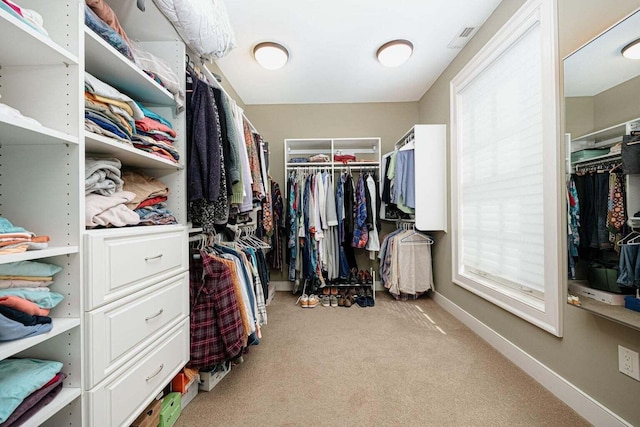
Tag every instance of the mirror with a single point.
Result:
(602, 105)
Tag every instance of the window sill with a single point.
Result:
(616, 313)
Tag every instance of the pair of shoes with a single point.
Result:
(333, 300)
(312, 301)
(368, 278)
(353, 276)
(369, 298)
(324, 300)
(334, 290)
(325, 291)
(361, 301)
(304, 300)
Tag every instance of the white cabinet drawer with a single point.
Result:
(118, 331)
(120, 262)
(120, 400)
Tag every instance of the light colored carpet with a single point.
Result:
(400, 363)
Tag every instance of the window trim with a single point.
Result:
(545, 313)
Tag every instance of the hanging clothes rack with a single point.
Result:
(598, 164)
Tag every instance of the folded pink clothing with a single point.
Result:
(148, 124)
(13, 6)
(23, 305)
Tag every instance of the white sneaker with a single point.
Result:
(312, 301)
(304, 301)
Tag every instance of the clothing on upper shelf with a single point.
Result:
(28, 16)
(16, 239)
(117, 198)
(115, 115)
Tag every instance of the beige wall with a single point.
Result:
(388, 121)
(586, 114)
(579, 115)
(587, 354)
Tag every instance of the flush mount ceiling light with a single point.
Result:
(394, 53)
(271, 55)
(632, 50)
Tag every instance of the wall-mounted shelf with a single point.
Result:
(51, 251)
(108, 65)
(129, 155)
(18, 132)
(615, 313)
(27, 46)
(60, 326)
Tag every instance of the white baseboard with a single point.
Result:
(593, 411)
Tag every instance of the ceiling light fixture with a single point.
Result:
(271, 56)
(394, 53)
(632, 50)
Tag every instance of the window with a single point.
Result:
(506, 172)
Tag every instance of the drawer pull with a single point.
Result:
(153, 257)
(156, 374)
(146, 319)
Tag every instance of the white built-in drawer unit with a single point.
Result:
(118, 331)
(123, 396)
(122, 261)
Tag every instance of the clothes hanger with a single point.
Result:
(631, 238)
(417, 237)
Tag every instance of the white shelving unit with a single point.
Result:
(604, 138)
(41, 186)
(42, 190)
(430, 175)
(366, 151)
(136, 304)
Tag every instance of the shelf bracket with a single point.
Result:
(140, 4)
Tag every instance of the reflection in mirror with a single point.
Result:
(602, 122)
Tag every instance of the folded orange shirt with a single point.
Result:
(23, 305)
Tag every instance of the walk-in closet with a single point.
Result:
(343, 213)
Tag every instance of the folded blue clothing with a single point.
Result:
(298, 160)
(11, 330)
(29, 268)
(36, 401)
(21, 317)
(108, 126)
(21, 377)
(88, 113)
(7, 227)
(43, 299)
(107, 33)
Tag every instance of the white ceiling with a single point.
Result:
(599, 65)
(332, 45)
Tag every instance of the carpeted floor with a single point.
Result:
(396, 364)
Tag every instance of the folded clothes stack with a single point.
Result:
(16, 239)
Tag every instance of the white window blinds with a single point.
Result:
(501, 160)
(507, 173)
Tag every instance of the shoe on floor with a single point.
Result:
(362, 301)
(370, 301)
(313, 301)
(333, 300)
(324, 300)
(304, 301)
